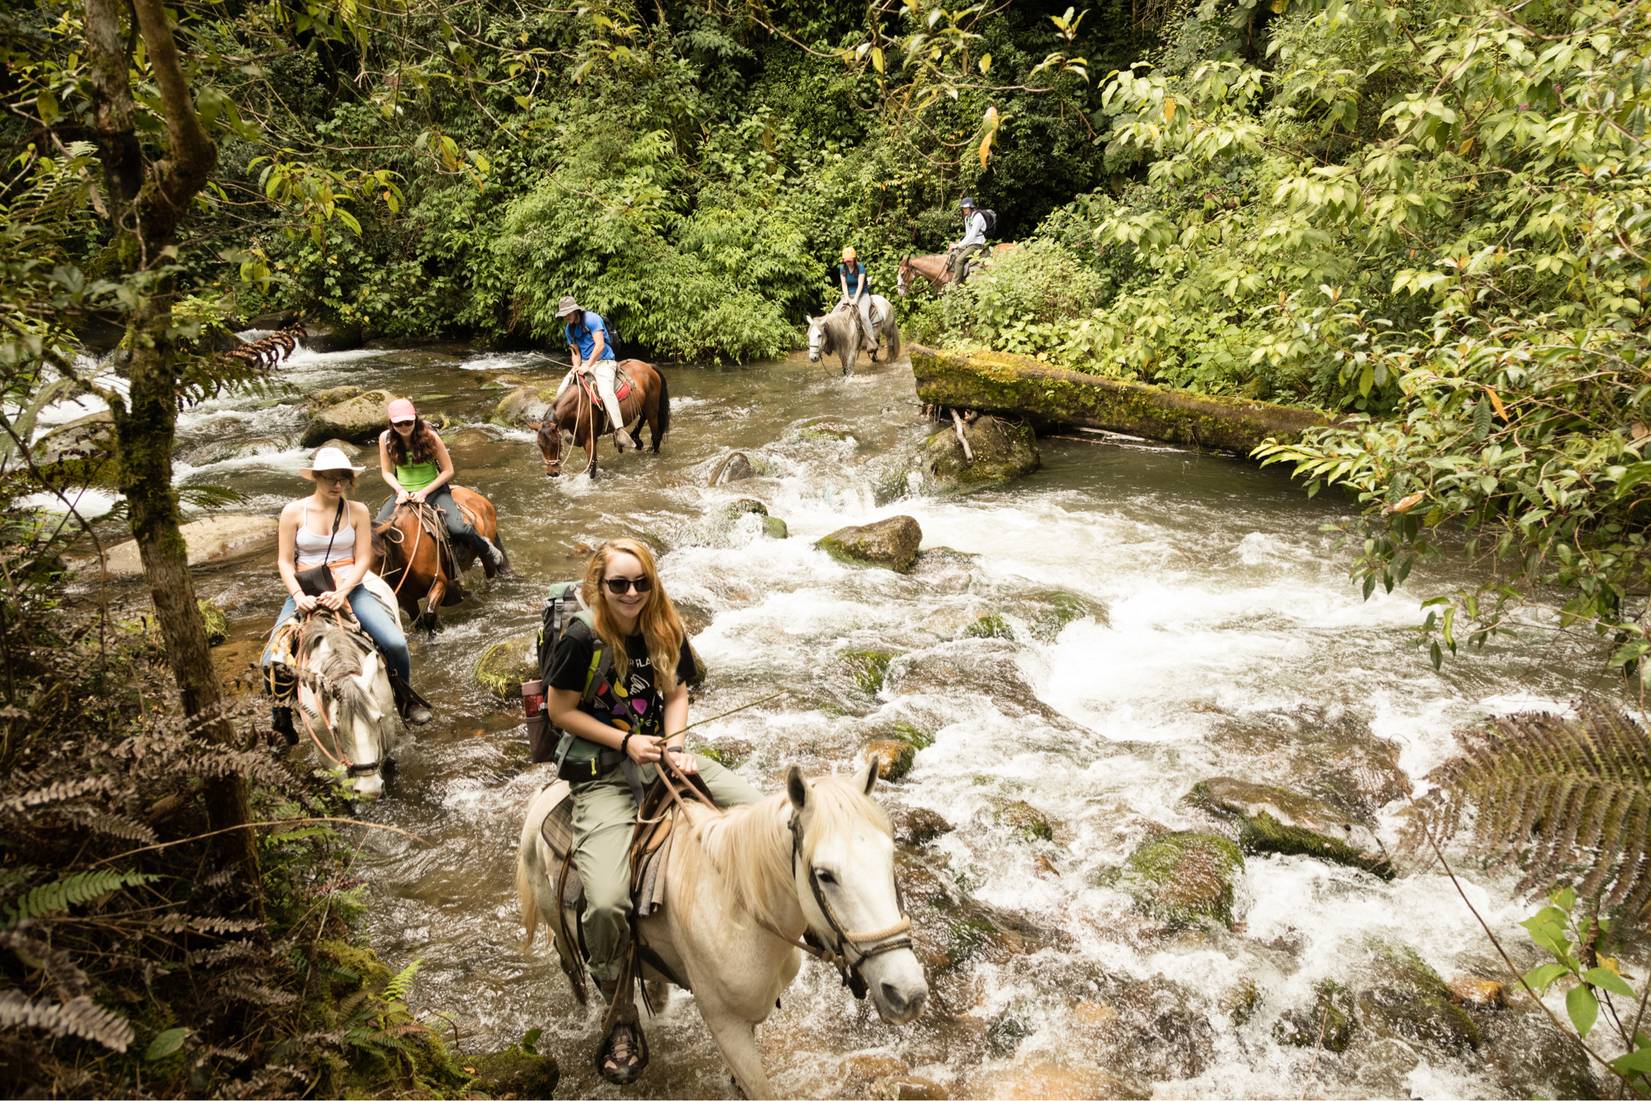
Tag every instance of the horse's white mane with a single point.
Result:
(750, 846)
(335, 655)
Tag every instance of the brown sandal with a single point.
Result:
(623, 1055)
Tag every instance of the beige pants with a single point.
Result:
(605, 372)
(603, 812)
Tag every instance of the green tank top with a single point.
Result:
(415, 476)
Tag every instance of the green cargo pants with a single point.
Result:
(603, 811)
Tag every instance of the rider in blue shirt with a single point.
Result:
(587, 339)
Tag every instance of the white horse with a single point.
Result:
(839, 331)
(345, 701)
(742, 886)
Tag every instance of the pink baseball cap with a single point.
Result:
(402, 410)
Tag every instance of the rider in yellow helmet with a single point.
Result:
(856, 290)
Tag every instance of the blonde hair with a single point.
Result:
(658, 622)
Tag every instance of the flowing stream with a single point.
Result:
(1171, 616)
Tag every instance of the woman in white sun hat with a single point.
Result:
(328, 529)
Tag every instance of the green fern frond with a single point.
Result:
(1569, 799)
(397, 989)
(80, 1017)
(59, 895)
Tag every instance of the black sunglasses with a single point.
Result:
(619, 586)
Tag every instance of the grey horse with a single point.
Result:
(839, 332)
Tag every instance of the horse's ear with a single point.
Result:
(869, 781)
(796, 787)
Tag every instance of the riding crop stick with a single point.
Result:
(736, 710)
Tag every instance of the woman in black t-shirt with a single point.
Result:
(639, 707)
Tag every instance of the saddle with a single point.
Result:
(622, 386)
(649, 855)
(429, 518)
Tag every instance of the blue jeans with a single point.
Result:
(378, 622)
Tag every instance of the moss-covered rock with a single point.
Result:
(515, 1072)
(775, 528)
(1329, 1022)
(1273, 819)
(912, 735)
(1406, 998)
(503, 666)
(1184, 878)
(357, 419)
(332, 395)
(1000, 452)
(1030, 823)
(727, 752)
(891, 543)
(998, 382)
(1050, 610)
(892, 757)
(524, 405)
(990, 625)
(871, 668)
(212, 619)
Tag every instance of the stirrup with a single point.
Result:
(624, 1073)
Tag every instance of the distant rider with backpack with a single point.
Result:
(617, 687)
(592, 351)
(976, 226)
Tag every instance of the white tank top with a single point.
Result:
(312, 548)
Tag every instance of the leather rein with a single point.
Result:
(864, 946)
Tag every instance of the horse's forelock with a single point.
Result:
(337, 656)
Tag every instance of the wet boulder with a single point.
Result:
(504, 665)
(919, 825)
(1525, 1055)
(344, 336)
(990, 625)
(525, 405)
(869, 667)
(892, 757)
(1273, 819)
(80, 452)
(1406, 998)
(358, 419)
(221, 450)
(890, 543)
(221, 538)
(1184, 878)
(734, 467)
(723, 520)
(332, 395)
(1050, 610)
(999, 452)
(1329, 1022)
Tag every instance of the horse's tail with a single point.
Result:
(664, 406)
(533, 887)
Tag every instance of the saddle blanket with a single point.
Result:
(622, 385)
(647, 892)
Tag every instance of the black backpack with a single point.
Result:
(991, 222)
(562, 606)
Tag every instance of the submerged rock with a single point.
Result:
(213, 541)
(1273, 819)
(919, 825)
(734, 467)
(1407, 998)
(1050, 610)
(991, 625)
(1047, 1079)
(358, 419)
(504, 665)
(1184, 878)
(1030, 823)
(891, 543)
(870, 667)
(1002, 451)
(1471, 992)
(1525, 1055)
(1329, 1022)
(221, 450)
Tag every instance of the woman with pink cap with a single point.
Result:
(416, 466)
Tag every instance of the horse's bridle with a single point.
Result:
(319, 688)
(892, 939)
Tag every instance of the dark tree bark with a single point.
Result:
(147, 217)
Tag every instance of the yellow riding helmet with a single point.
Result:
(848, 254)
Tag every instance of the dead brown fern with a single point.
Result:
(1567, 798)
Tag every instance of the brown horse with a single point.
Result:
(937, 271)
(424, 567)
(579, 412)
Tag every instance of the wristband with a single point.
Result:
(623, 742)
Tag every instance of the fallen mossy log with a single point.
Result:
(997, 382)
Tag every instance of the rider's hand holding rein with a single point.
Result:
(331, 490)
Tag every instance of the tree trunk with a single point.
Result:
(147, 202)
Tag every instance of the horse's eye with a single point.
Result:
(825, 876)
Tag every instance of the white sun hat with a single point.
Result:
(329, 459)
